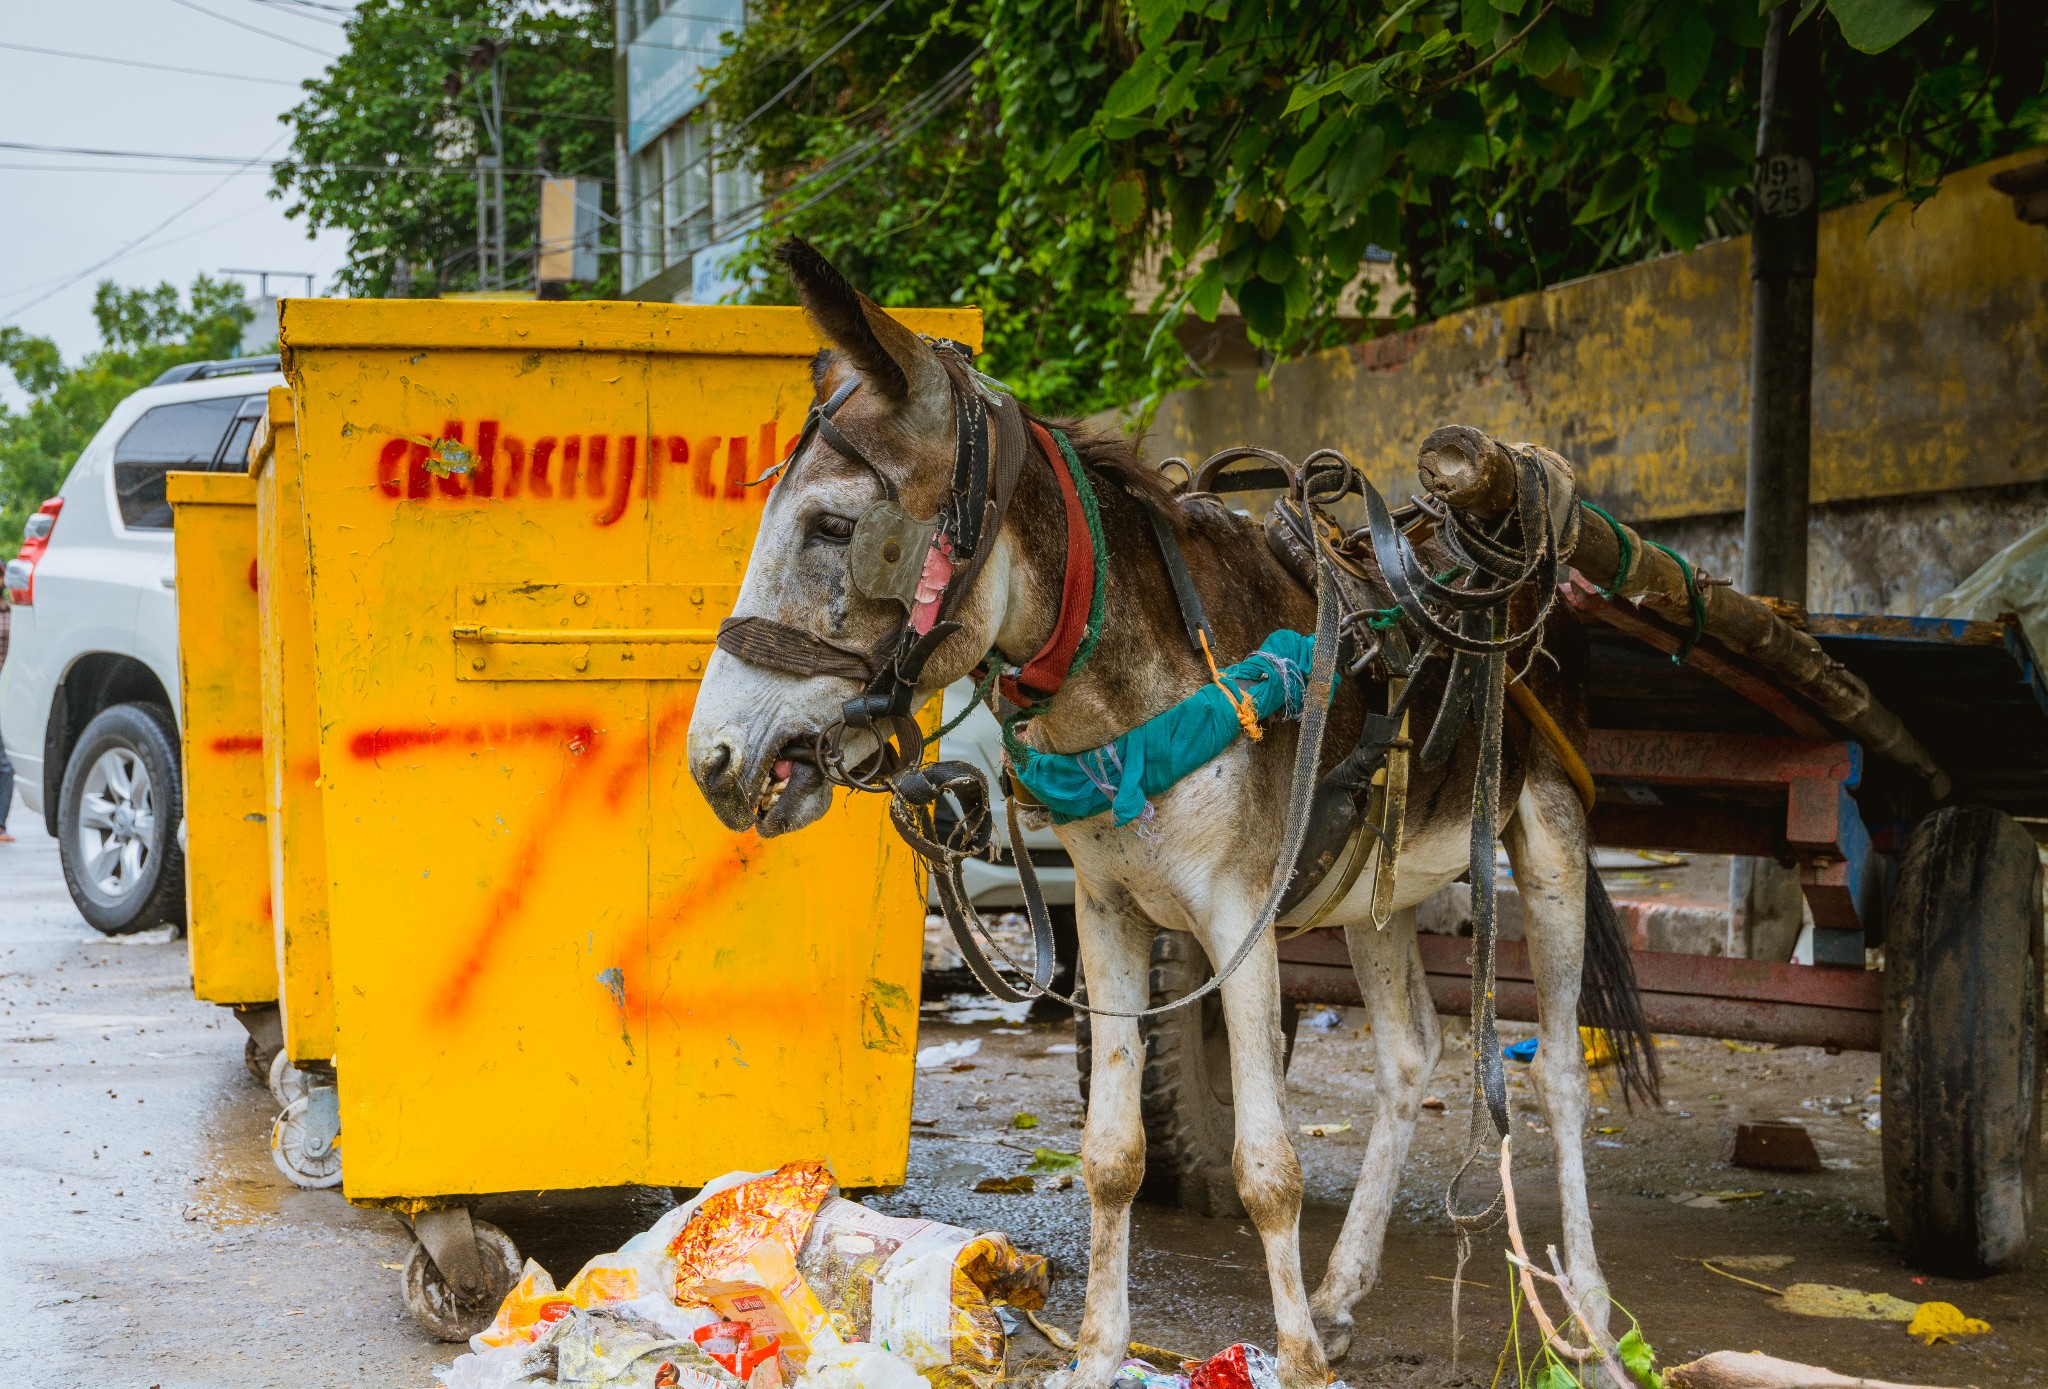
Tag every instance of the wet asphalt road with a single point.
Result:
(150, 1241)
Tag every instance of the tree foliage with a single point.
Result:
(1258, 151)
(142, 332)
(384, 145)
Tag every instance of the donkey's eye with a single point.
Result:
(833, 530)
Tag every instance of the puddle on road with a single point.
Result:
(238, 1183)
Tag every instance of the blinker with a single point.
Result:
(886, 555)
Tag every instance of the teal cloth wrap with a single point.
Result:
(1123, 775)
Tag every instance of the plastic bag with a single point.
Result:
(920, 1289)
(858, 1365)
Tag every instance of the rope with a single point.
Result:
(1247, 712)
(1699, 605)
(988, 682)
(1623, 541)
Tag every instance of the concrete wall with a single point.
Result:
(1930, 394)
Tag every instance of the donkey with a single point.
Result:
(1207, 852)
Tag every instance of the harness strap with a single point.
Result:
(762, 641)
(1192, 615)
(1042, 676)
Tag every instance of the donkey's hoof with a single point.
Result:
(1335, 1334)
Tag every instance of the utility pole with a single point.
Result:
(490, 170)
(1764, 897)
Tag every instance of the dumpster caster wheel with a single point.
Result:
(287, 1082)
(432, 1298)
(296, 1148)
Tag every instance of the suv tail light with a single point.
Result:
(35, 538)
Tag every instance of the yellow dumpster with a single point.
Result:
(227, 868)
(551, 966)
(304, 1076)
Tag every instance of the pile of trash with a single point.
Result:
(765, 1280)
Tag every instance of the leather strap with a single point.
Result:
(1192, 615)
(1042, 676)
(762, 641)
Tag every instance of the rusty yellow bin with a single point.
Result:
(551, 966)
(291, 746)
(227, 854)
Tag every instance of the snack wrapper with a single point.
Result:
(920, 1289)
(726, 1228)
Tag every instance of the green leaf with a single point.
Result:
(1175, 97)
(1479, 19)
(1383, 219)
(1684, 55)
(1872, 26)
(1638, 1359)
(1276, 263)
(1205, 295)
(1546, 48)
(1356, 164)
(1437, 148)
(1309, 159)
(1616, 185)
(1136, 89)
(1127, 201)
(1556, 1376)
(1053, 1160)
(1264, 305)
(1296, 293)
(1068, 157)
(1189, 204)
(1677, 205)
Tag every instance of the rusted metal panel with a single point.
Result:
(1682, 995)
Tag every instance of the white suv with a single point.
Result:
(89, 693)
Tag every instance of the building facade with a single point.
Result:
(680, 215)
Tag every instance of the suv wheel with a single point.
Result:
(117, 821)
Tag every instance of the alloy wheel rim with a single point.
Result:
(117, 823)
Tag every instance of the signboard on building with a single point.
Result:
(665, 63)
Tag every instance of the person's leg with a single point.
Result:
(6, 793)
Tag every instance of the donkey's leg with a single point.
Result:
(1268, 1173)
(1546, 841)
(1407, 1043)
(1116, 945)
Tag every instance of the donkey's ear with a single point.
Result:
(893, 360)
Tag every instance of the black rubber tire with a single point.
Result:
(433, 1302)
(158, 897)
(1962, 1042)
(1190, 1114)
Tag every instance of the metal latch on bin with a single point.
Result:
(589, 631)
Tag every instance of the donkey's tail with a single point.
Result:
(1610, 1000)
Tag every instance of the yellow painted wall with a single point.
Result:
(1930, 371)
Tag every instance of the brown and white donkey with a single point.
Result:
(1206, 858)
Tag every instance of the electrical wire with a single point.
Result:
(729, 139)
(211, 14)
(139, 63)
(129, 246)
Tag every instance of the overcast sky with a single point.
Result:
(57, 222)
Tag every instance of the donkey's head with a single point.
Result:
(812, 576)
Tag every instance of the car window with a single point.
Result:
(182, 436)
(234, 452)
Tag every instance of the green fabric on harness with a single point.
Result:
(1124, 774)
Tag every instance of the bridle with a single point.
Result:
(926, 565)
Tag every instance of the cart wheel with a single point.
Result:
(1962, 1035)
(287, 1082)
(290, 1139)
(1190, 1114)
(257, 1060)
(434, 1304)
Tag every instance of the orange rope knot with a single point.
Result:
(1247, 712)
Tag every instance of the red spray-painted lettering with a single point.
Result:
(595, 466)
